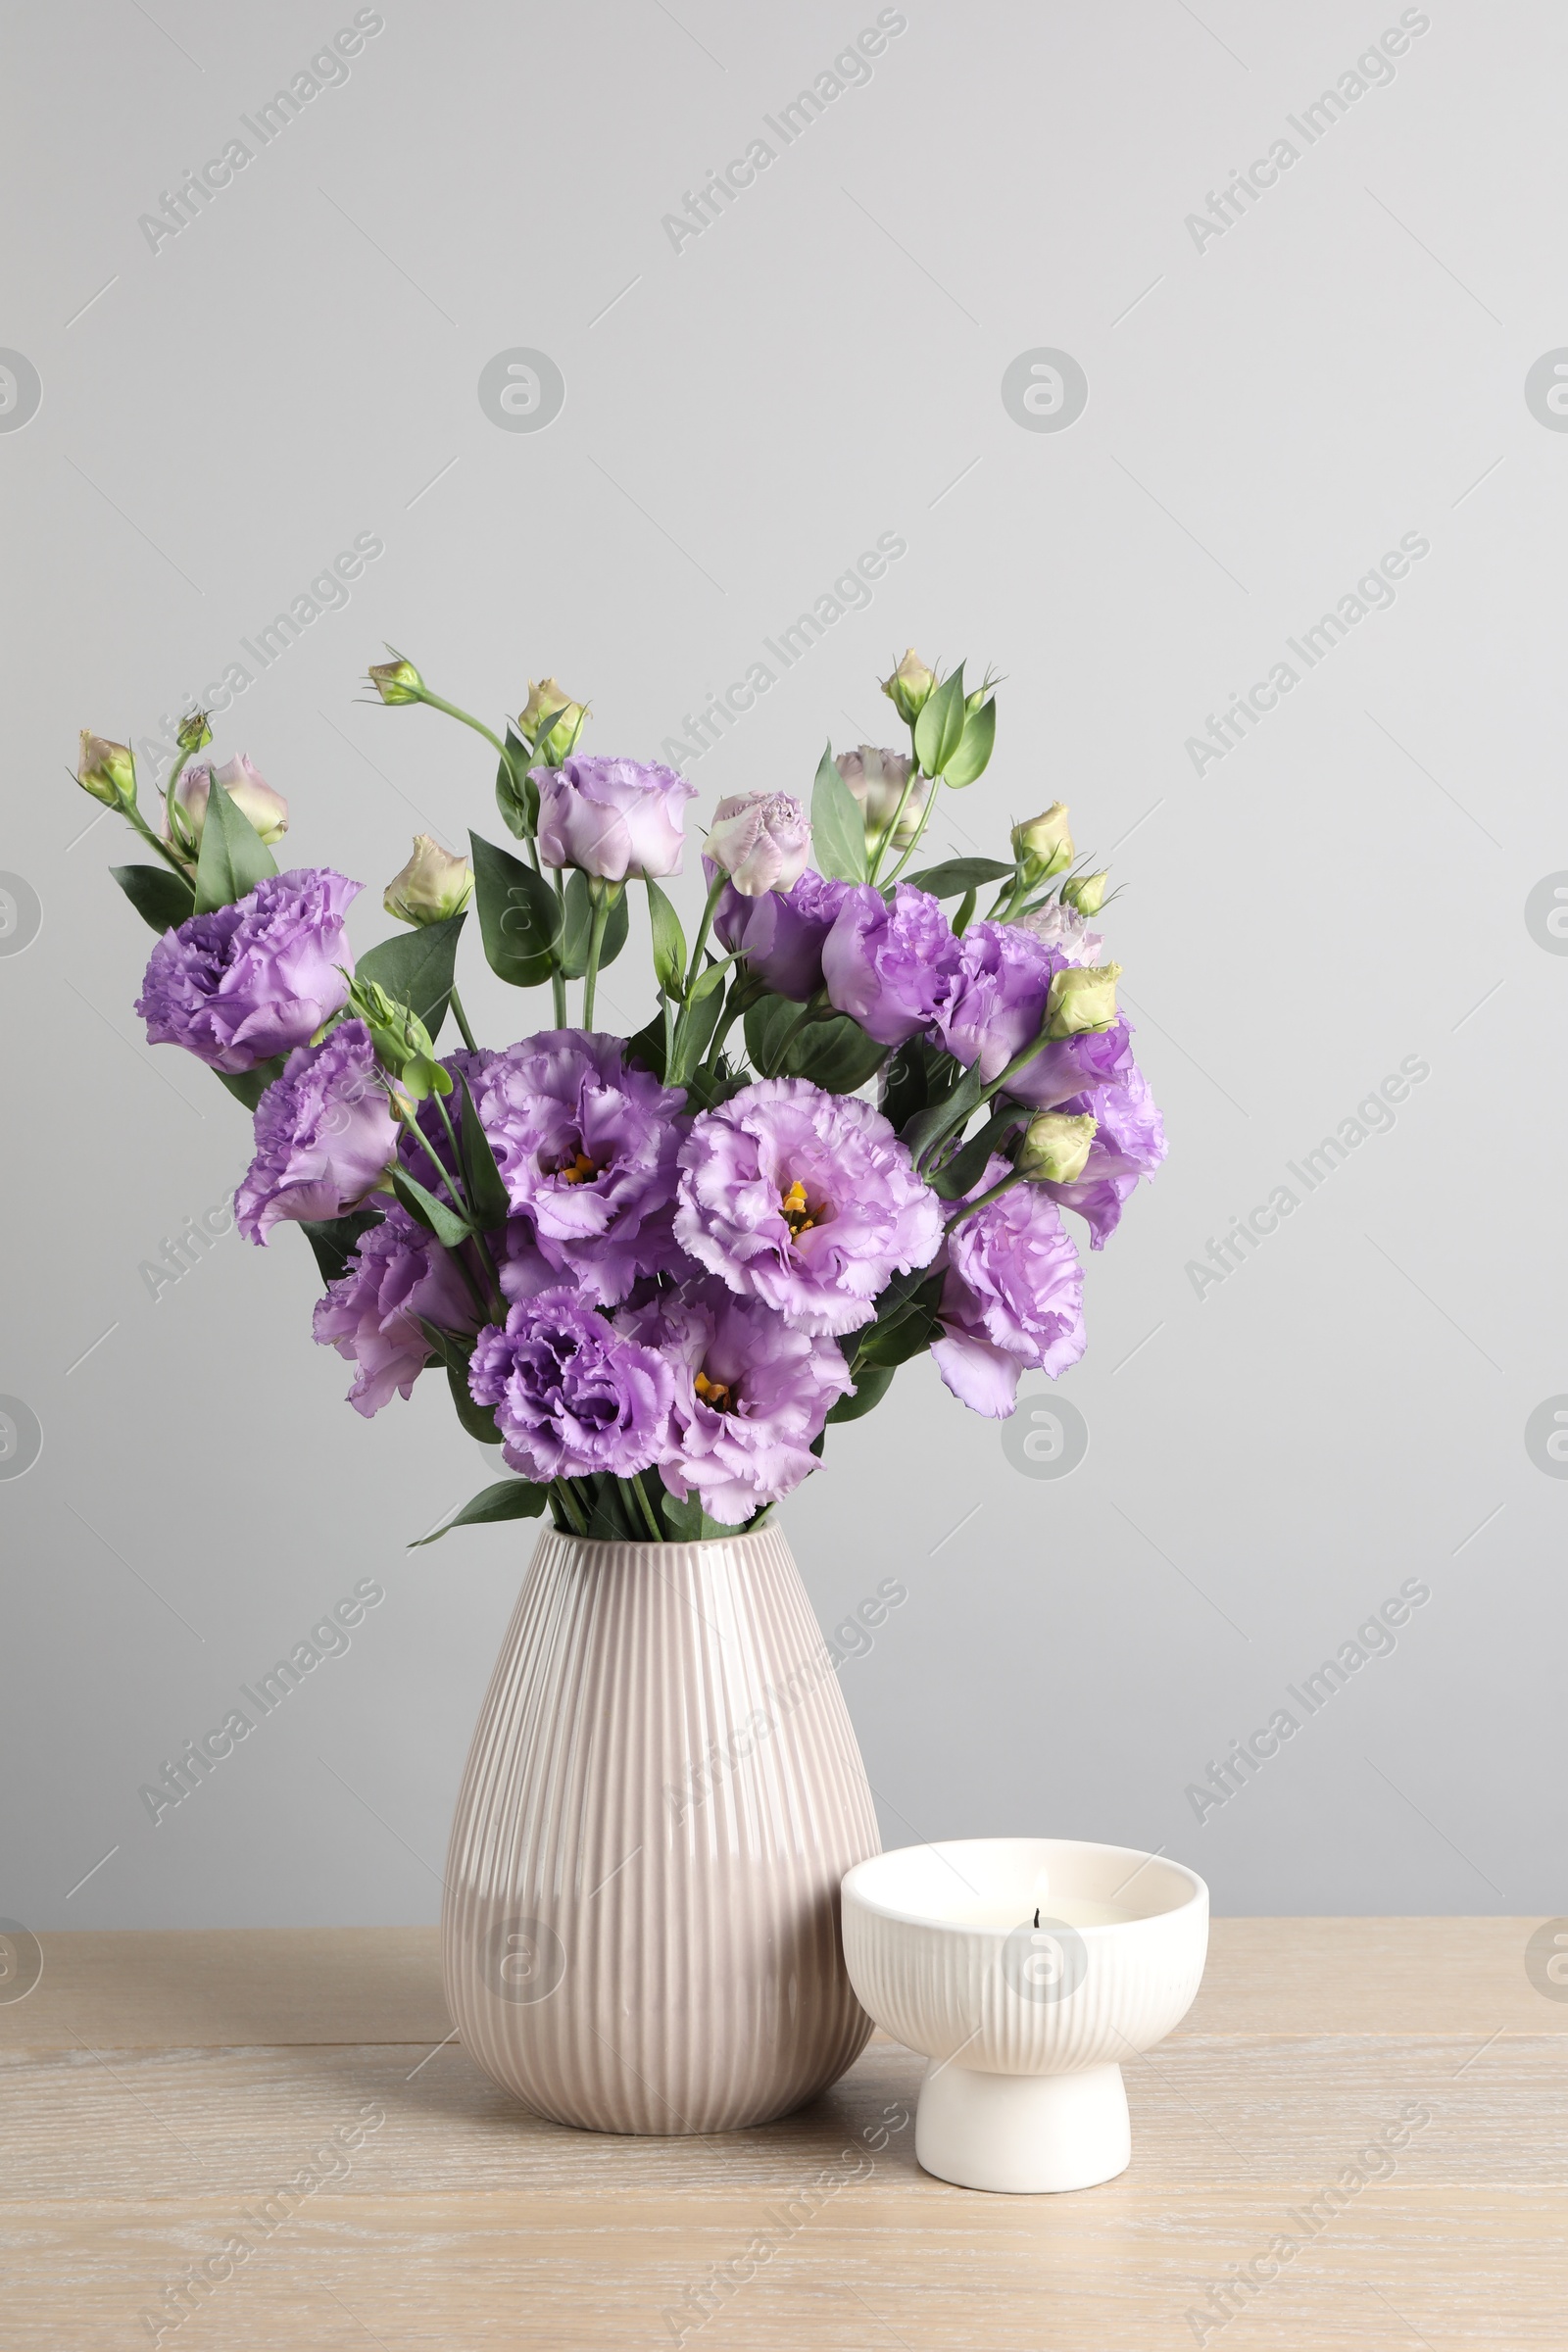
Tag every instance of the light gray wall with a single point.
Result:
(1270, 409)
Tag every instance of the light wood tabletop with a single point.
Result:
(222, 2140)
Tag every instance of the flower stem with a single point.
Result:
(466, 716)
(570, 1509)
(462, 1019)
(452, 711)
(809, 1013)
(970, 1208)
(135, 817)
(883, 843)
(1026, 1053)
(603, 908)
(654, 1529)
(925, 819)
(716, 889)
(498, 1304)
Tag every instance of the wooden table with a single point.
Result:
(172, 2094)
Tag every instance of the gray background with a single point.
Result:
(1266, 416)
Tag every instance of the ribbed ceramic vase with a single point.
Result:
(641, 1925)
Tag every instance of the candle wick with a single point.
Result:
(1037, 1915)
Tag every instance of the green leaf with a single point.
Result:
(479, 1420)
(249, 1086)
(955, 875)
(687, 1522)
(519, 915)
(939, 729)
(483, 1184)
(334, 1239)
(670, 940)
(516, 793)
(973, 753)
(963, 1171)
(835, 1053)
(511, 1499)
(577, 929)
(951, 1113)
(702, 1019)
(871, 1384)
(158, 896)
(647, 1047)
(891, 1340)
(838, 828)
(449, 1230)
(416, 967)
(915, 1075)
(614, 1518)
(233, 857)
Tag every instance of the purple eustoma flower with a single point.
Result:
(781, 934)
(750, 1393)
(1012, 1300)
(371, 1314)
(324, 1135)
(994, 1001)
(248, 981)
(1129, 1143)
(571, 1397)
(805, 1200)
(1070, 1065)
(587, 1148)
(611, 817)
(889, 967)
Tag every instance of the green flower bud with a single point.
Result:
(397, 683)
(1056, 1146)
(551, 720)
(910, 687)
(107, 770)
(1044, 846)
(403, 1043)
(431, 886)
(193, 733)
(1084, 997)
(1087, 894)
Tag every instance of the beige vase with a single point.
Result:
(641, 1923)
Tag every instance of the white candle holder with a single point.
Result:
(1024, 2025)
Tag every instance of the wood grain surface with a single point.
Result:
(173, 2097)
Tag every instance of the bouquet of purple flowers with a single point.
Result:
(653, 1268)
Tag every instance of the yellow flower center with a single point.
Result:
(579, 1169)
(713, 1392)
(794, 1211)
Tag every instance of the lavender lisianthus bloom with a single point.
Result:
(371, 1314)
(1066, 1066)
(587, 1148)
(750, 1393)
(1063, 929)
(880, 782)
(994, 1001)
(806, 1200)
(611, 817)
(265, 809)
(782, 933)
(248, 981)
(889, 967)
(324, 1135)
(1129, 1143)
(760, 839)
(1012, 1297)
(572, 1396)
